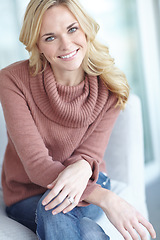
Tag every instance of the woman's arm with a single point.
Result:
(23, 132)
(121, 214)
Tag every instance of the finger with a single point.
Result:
(57, 200)
(148, 226)
(51, 185)
(52, 194)
(140, 230)
(132, 233)
(124, 233)
(73, 205)
(62, 207)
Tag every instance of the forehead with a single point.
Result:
(57, 16)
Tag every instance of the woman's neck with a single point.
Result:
(69, 78)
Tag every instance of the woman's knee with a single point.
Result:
(40, 207)
(59, 226)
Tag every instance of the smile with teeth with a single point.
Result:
(69, 55)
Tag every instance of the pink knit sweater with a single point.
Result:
(51, 126)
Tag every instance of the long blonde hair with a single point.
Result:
(97, 61)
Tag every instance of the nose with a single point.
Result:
(65, 43)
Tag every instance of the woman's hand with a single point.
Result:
(126, 218)
(69, 185)
(121, 214)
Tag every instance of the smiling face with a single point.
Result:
(62, 40)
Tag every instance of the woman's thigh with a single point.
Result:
(80, 223)
(24, 211)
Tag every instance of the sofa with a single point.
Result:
(124, 158)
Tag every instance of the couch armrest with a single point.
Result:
(3, 135)
(124, 155)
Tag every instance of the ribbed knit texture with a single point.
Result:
(51, 126)
(76, 106)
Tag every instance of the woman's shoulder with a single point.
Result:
(14, 77)
(17, 67)
(16, 73)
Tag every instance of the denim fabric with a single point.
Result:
(78, 224)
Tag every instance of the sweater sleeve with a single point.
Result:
(22, 131)
(93, 148)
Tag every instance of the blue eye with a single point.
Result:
(72, 30)
(49, 39)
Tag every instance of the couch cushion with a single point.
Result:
(10, 229)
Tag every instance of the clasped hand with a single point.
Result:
(68, 187)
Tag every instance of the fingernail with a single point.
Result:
(46, 208)
(43, 203)
(54, 213)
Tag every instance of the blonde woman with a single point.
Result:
(60, 107)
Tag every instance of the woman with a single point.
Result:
(60, 108)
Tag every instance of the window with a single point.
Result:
(11, 49)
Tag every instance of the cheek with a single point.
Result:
(82, 41)
(39, 48)
(48, 51)
(85, 46)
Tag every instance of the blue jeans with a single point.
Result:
(78, 224)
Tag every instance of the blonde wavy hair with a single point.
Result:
(97, 61)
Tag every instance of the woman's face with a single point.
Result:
(62, 40)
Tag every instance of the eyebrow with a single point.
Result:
(71, 25)
(49, 34)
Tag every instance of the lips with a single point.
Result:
(67, 56)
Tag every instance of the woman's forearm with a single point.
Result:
(98, 197)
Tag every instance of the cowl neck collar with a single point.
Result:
(70, 106)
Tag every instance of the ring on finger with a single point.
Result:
(70, 199)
